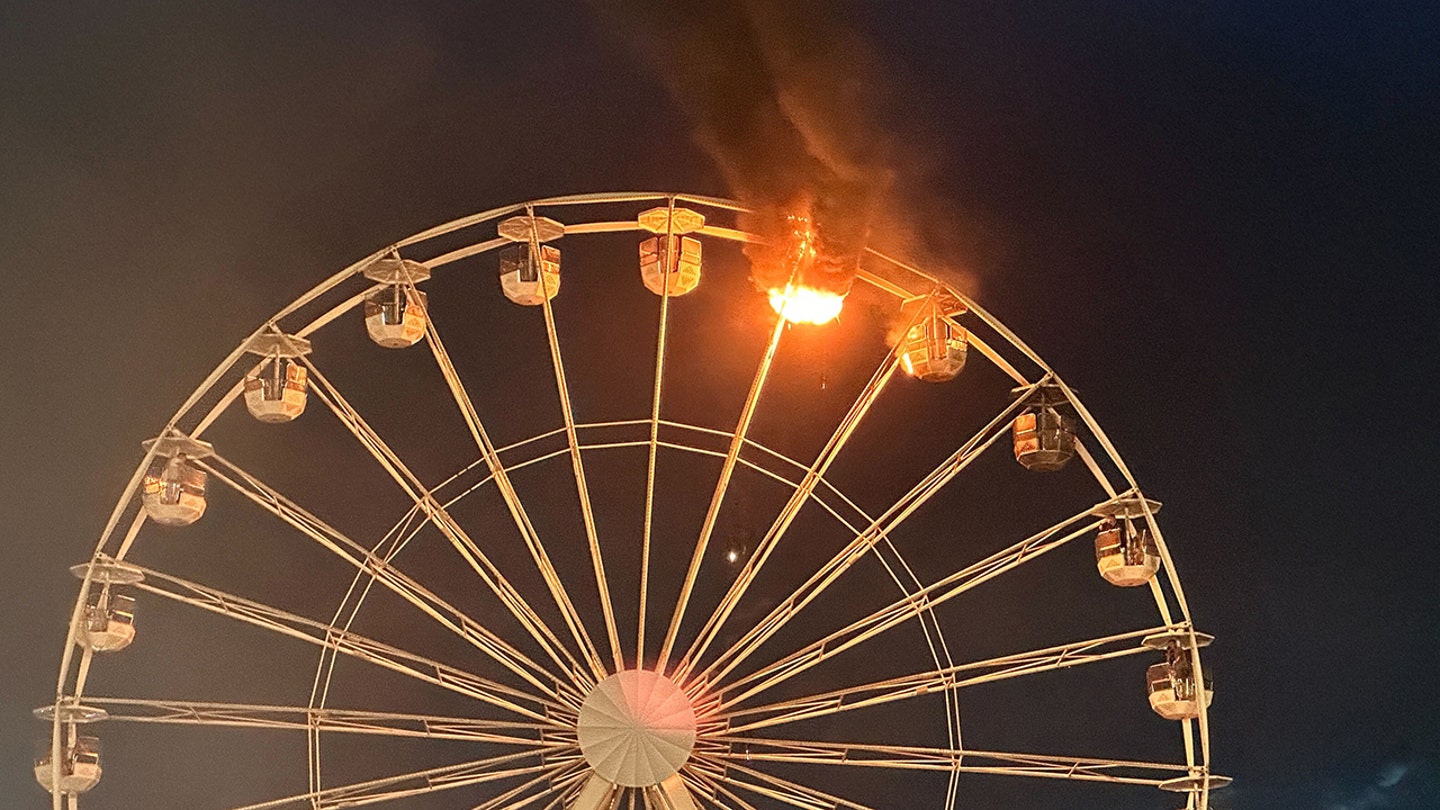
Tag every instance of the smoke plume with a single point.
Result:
(781, 99)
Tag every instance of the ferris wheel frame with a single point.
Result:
(564, 772)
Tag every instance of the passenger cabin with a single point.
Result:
(670, 265)
(934, 348)
(530, 269)
(670, 260)
(395, 315)
(1125, 549)
(275, 390)
(79, 769)
(173, 492)
(526, 280)
(1174, 692)
(1044, 433)
(108, 624)
(1126, 553)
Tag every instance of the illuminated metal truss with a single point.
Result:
(533, 673)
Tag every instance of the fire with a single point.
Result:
(801, 304)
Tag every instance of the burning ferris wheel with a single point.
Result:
(728, 549)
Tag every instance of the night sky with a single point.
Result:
(1215, 219)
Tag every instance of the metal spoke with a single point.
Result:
(567, 784)
(791, 793)
(988, 352)
(512, 501)
(346, 721)
(509, 799)
(944, 679)
(903, 609)
(384, 572)
(717, 788)
(430, 780)
(351, 644)
(787, 514)
(554, 804)
(661, 335)
(899, 757)
(737, 442)
(393, 543)
(861, 545)
(582, 487)
(441, 518)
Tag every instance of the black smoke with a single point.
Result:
(781, 95)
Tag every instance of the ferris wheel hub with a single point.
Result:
(636, 728)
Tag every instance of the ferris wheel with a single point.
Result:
(720, 552)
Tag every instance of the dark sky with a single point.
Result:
(1217, 219)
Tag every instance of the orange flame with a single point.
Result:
(800, 304)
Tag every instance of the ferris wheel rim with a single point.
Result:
(207, 388)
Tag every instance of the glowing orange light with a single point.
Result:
(805, 304)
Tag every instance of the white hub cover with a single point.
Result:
(636, 728)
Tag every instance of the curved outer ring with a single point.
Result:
(896, 277)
